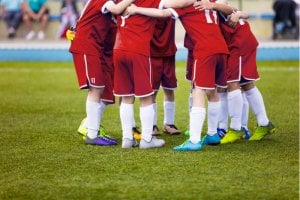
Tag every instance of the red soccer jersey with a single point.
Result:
(188, 43)
(93, 29)
(239, 39)
(163, 40)
(135, 32)
(204, 31)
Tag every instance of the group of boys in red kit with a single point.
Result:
(144, 59)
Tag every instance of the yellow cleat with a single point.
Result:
(136, 133)
(232, 136)
(262, 131)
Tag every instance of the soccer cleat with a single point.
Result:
(187, 132)
(232, 136)
(171, 129)
(155, 131)
(247, 133)
(154, 143)
(128, 143)
(188, 146)
(102, 133)
(83, 130)
(221, 132)
(261, 131)
(211, 139)
(99, 141)
(136, 133)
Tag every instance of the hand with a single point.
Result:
(131, 10)
(234, 18)
(203, 5)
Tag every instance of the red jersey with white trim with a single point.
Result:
(204, 31)
(92, 29)
(163, 40)
(135, 32)
(239, 39)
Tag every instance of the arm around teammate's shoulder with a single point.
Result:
(118, 8)
(150, 12)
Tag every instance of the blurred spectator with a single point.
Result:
(36, 10)
(69, 14)
(84, 2)
(285, 18)
(11, 12)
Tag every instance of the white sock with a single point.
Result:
(93, 117)
(245, 113)
(257, 105)
(235, 108)
(213, 110)
(155, 114)
(126, 115)
(146, 115)
(102, 107)
(190, 102)
(169, 112)
(223, 116)
(133, 121)
(197, 117)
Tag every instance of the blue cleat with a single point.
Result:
(247, 133)
(211, 139)
(221, 132)
(188, 146)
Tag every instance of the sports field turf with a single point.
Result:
(43, 157)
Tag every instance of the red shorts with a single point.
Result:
(189, 65)
(210, 71)
(242, 68)
(132, 74)
(163, 73)
(91, 71)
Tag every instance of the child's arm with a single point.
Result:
(234, 17)
(118, 8)
(176, 3)
(238, 15)
(205, 5)
(151, 12)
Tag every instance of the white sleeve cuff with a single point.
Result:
(174, 13)
(161, 4)
(104, 7)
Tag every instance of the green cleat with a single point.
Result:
(82, 129)
(187, 132)
(232, 136)
(262, 131)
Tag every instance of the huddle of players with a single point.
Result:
(142, 57)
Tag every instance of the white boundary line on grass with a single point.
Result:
(67, 70)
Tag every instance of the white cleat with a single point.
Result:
(154, 143)
(129, 143)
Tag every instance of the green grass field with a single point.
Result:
(43, 157)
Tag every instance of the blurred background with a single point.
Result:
(262, 16)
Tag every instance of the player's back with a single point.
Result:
(92, 28)
(135, 32)
(239, 38)
(163, 40)
(203, 29)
